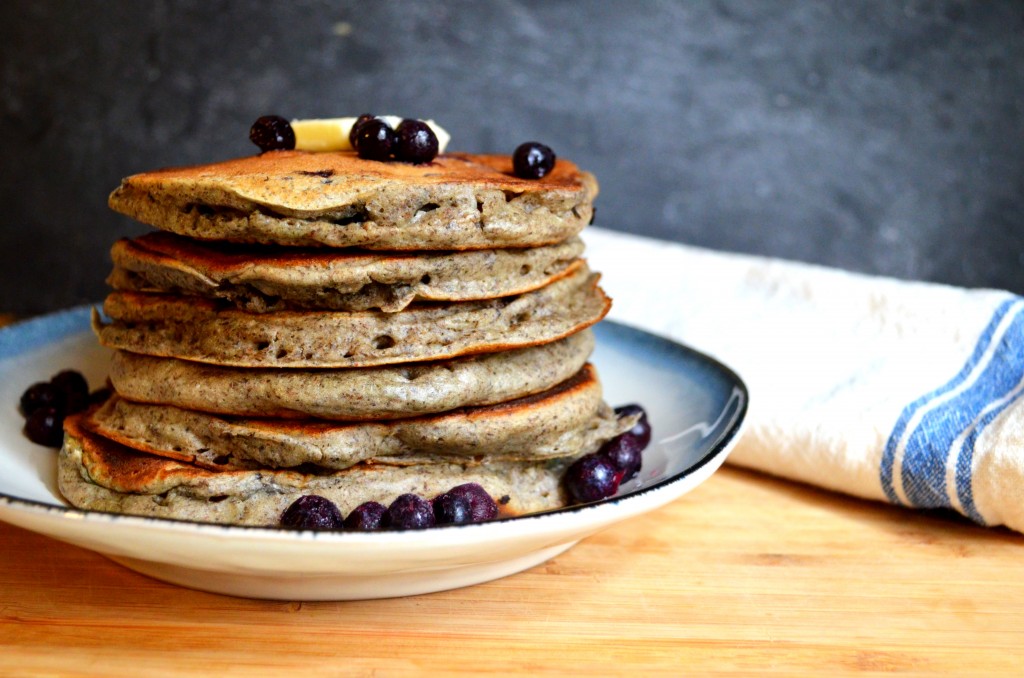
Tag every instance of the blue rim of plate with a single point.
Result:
(29, 334)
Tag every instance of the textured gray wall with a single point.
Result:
(878, 136)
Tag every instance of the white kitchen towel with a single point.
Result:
(906, 392)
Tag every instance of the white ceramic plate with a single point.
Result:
(696, 407)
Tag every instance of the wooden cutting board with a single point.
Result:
(746, 574)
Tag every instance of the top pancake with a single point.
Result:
(456, 202)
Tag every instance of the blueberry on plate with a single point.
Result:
(409, 512)
(74, 388)
(40, 395)
(625, 452)
(312, 512)
(591, 478)
(642, 428)
(466, 503)
(45, 426)
(366, 517)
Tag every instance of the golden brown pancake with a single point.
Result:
(388, 392)
(97, 474)
(197, 329)
(261, 279)
(565, 421)
(456, 202)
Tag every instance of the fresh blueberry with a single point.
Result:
(375, 140)
(272, 133)
(39, 395)
(70, 381)
(642, 428)
(417, 143)
(312, 512)
(625, 452)
(366, 517)
(75, 389)
(45, 426)
(354, 132)
(452, 509)
(591, 478)
(409, 512)
(467, 503)
(532, 160)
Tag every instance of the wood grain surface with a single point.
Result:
(745, 575)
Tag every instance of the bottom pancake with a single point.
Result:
(97, 474)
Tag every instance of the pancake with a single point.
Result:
(362, 393)
(566, 421)
(259, 280)
(197, 329)
(456, 202)
(97, 474)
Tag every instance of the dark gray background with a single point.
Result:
(884, 137)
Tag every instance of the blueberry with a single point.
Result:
(375, 140)
(450, 509)
(312, 512)
(417, 143)
(272, 133)
(642, 429)
(70, 381)
(366, 517)
(39, 395)
(45, 426)
(591, 478)
(75, 389)
(625, 452)
(354, 132)
(409, 512)
(532, 160)
(467, 503)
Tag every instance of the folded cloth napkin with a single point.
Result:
(906, 392)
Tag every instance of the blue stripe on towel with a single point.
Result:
(929, 428)
(964, 489)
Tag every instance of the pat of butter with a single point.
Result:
(331, 134)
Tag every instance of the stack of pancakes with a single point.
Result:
(315, 323)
